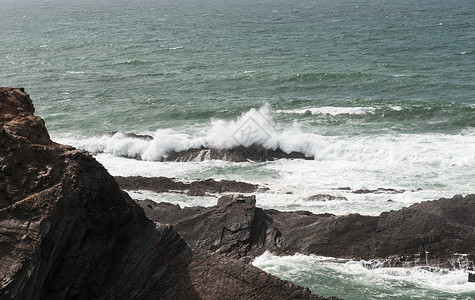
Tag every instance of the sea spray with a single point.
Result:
(257, 127)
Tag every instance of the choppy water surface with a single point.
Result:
(380, 93)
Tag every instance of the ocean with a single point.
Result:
(381, 94)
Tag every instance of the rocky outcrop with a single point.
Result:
(68, 231)
(426, 233)
(237, 154)
(195, 188)
(256, 153)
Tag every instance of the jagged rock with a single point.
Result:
(233, 227)
(429, 232)
(195, 188)
(68, 231)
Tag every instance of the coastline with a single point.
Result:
(230, 234)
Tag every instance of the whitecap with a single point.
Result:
(330, 110)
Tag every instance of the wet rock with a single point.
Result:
(236, 154)
(144, 137)
(378, 191)
(324, 198)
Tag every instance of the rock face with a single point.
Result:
(426, 233)
(235, 227)
(68, 231)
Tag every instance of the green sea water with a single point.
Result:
(381, 93)
(94, 66)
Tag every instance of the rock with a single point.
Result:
(212, 276)
(471, 277)
(324, 198)
(195, 188)
(232, 228)
(68, 231)
(378, 191)
(230, 199)
(426, 233)
(144, 137)
(237, 154)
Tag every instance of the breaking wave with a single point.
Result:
(255, 129)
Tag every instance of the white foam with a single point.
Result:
(377, 279)
(330, 110)
(174, 198)
(441, 164)
(256, 128)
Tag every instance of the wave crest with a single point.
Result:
(254, 136)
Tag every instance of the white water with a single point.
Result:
(325, 273)
(425, 166)
(256, 127)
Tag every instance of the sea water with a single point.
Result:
(380, 93)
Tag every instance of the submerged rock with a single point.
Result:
(68, 231)
(324, 198)
(144, 137)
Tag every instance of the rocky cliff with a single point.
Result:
(68, 231)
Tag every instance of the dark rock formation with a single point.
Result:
(429, 232)
(144, 137)
(378, 191)
(233, 228)
(325, 198)
(237, 154)
(195, 188)
(68, 231)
